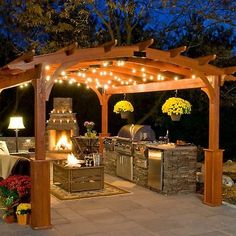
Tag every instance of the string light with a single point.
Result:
(142, 69)
(134, 71)
(63, 73)
(193, 76)
(48, 77)
(47, 67)
(105, 63)
(176, 78)
(120, 63)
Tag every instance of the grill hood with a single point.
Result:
(137, 133)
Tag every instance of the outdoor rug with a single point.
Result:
(109, 190)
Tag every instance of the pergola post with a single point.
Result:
(40, 168)
(104, 133)
(213, 155)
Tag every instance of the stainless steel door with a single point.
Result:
(124, 167)
(155, 168)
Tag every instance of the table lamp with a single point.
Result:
(16, 123)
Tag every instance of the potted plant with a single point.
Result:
(123, 107)
(23, 211)
(13, 190)
(175, 107)
(89, 126)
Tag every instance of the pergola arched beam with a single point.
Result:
(8, 81)
(158, 86)
(48, 88)
(209, 89)
(162, 66)
(63, 67)
(183, 61)
(97, 93)
(80, 55)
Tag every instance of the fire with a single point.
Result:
(72, 160)
(63, 143)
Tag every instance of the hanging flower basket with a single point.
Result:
(175, 117)
(124, 114)
(175, 107)
(123, 108)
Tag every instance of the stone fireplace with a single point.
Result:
(61, 126)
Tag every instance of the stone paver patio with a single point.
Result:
(140, 213)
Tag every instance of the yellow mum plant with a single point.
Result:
(176, 106)
(124, 106)
(23, 208)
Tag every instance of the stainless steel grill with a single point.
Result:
(127, 144)
(137, 133)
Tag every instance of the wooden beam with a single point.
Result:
(40, 194)
(162, 66)
(142, 46)
(213, 155)
(230, 70)
(183, 61)
(14, 80)
(26, 57)
(71, 48)
(230, 78)
(205, 60)
(177, 51)
(40, 171)
(158, 86)
(108, 45)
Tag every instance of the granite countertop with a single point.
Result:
(171, 146)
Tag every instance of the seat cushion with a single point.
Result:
(3, 148)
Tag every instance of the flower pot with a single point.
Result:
(175, 117)
(124, 114)
(9, 219)
(22, 219)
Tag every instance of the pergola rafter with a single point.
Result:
(170, 71)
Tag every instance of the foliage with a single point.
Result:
(13, 190)
(23, 208)
(177, 106)
(124, 106)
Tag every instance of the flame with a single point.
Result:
(72, 160)
(63, 143)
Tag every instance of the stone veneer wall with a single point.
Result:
(109, 161)
(140, 170)
(180, 167)
(24, 143)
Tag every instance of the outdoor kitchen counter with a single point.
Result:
(179, 164)
(179, 167)
(172, 147)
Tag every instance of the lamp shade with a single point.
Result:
(16, 122)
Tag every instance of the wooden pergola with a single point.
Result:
(109, 70)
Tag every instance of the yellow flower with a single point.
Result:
(23, 208)
(123, 105)
(177, 106)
